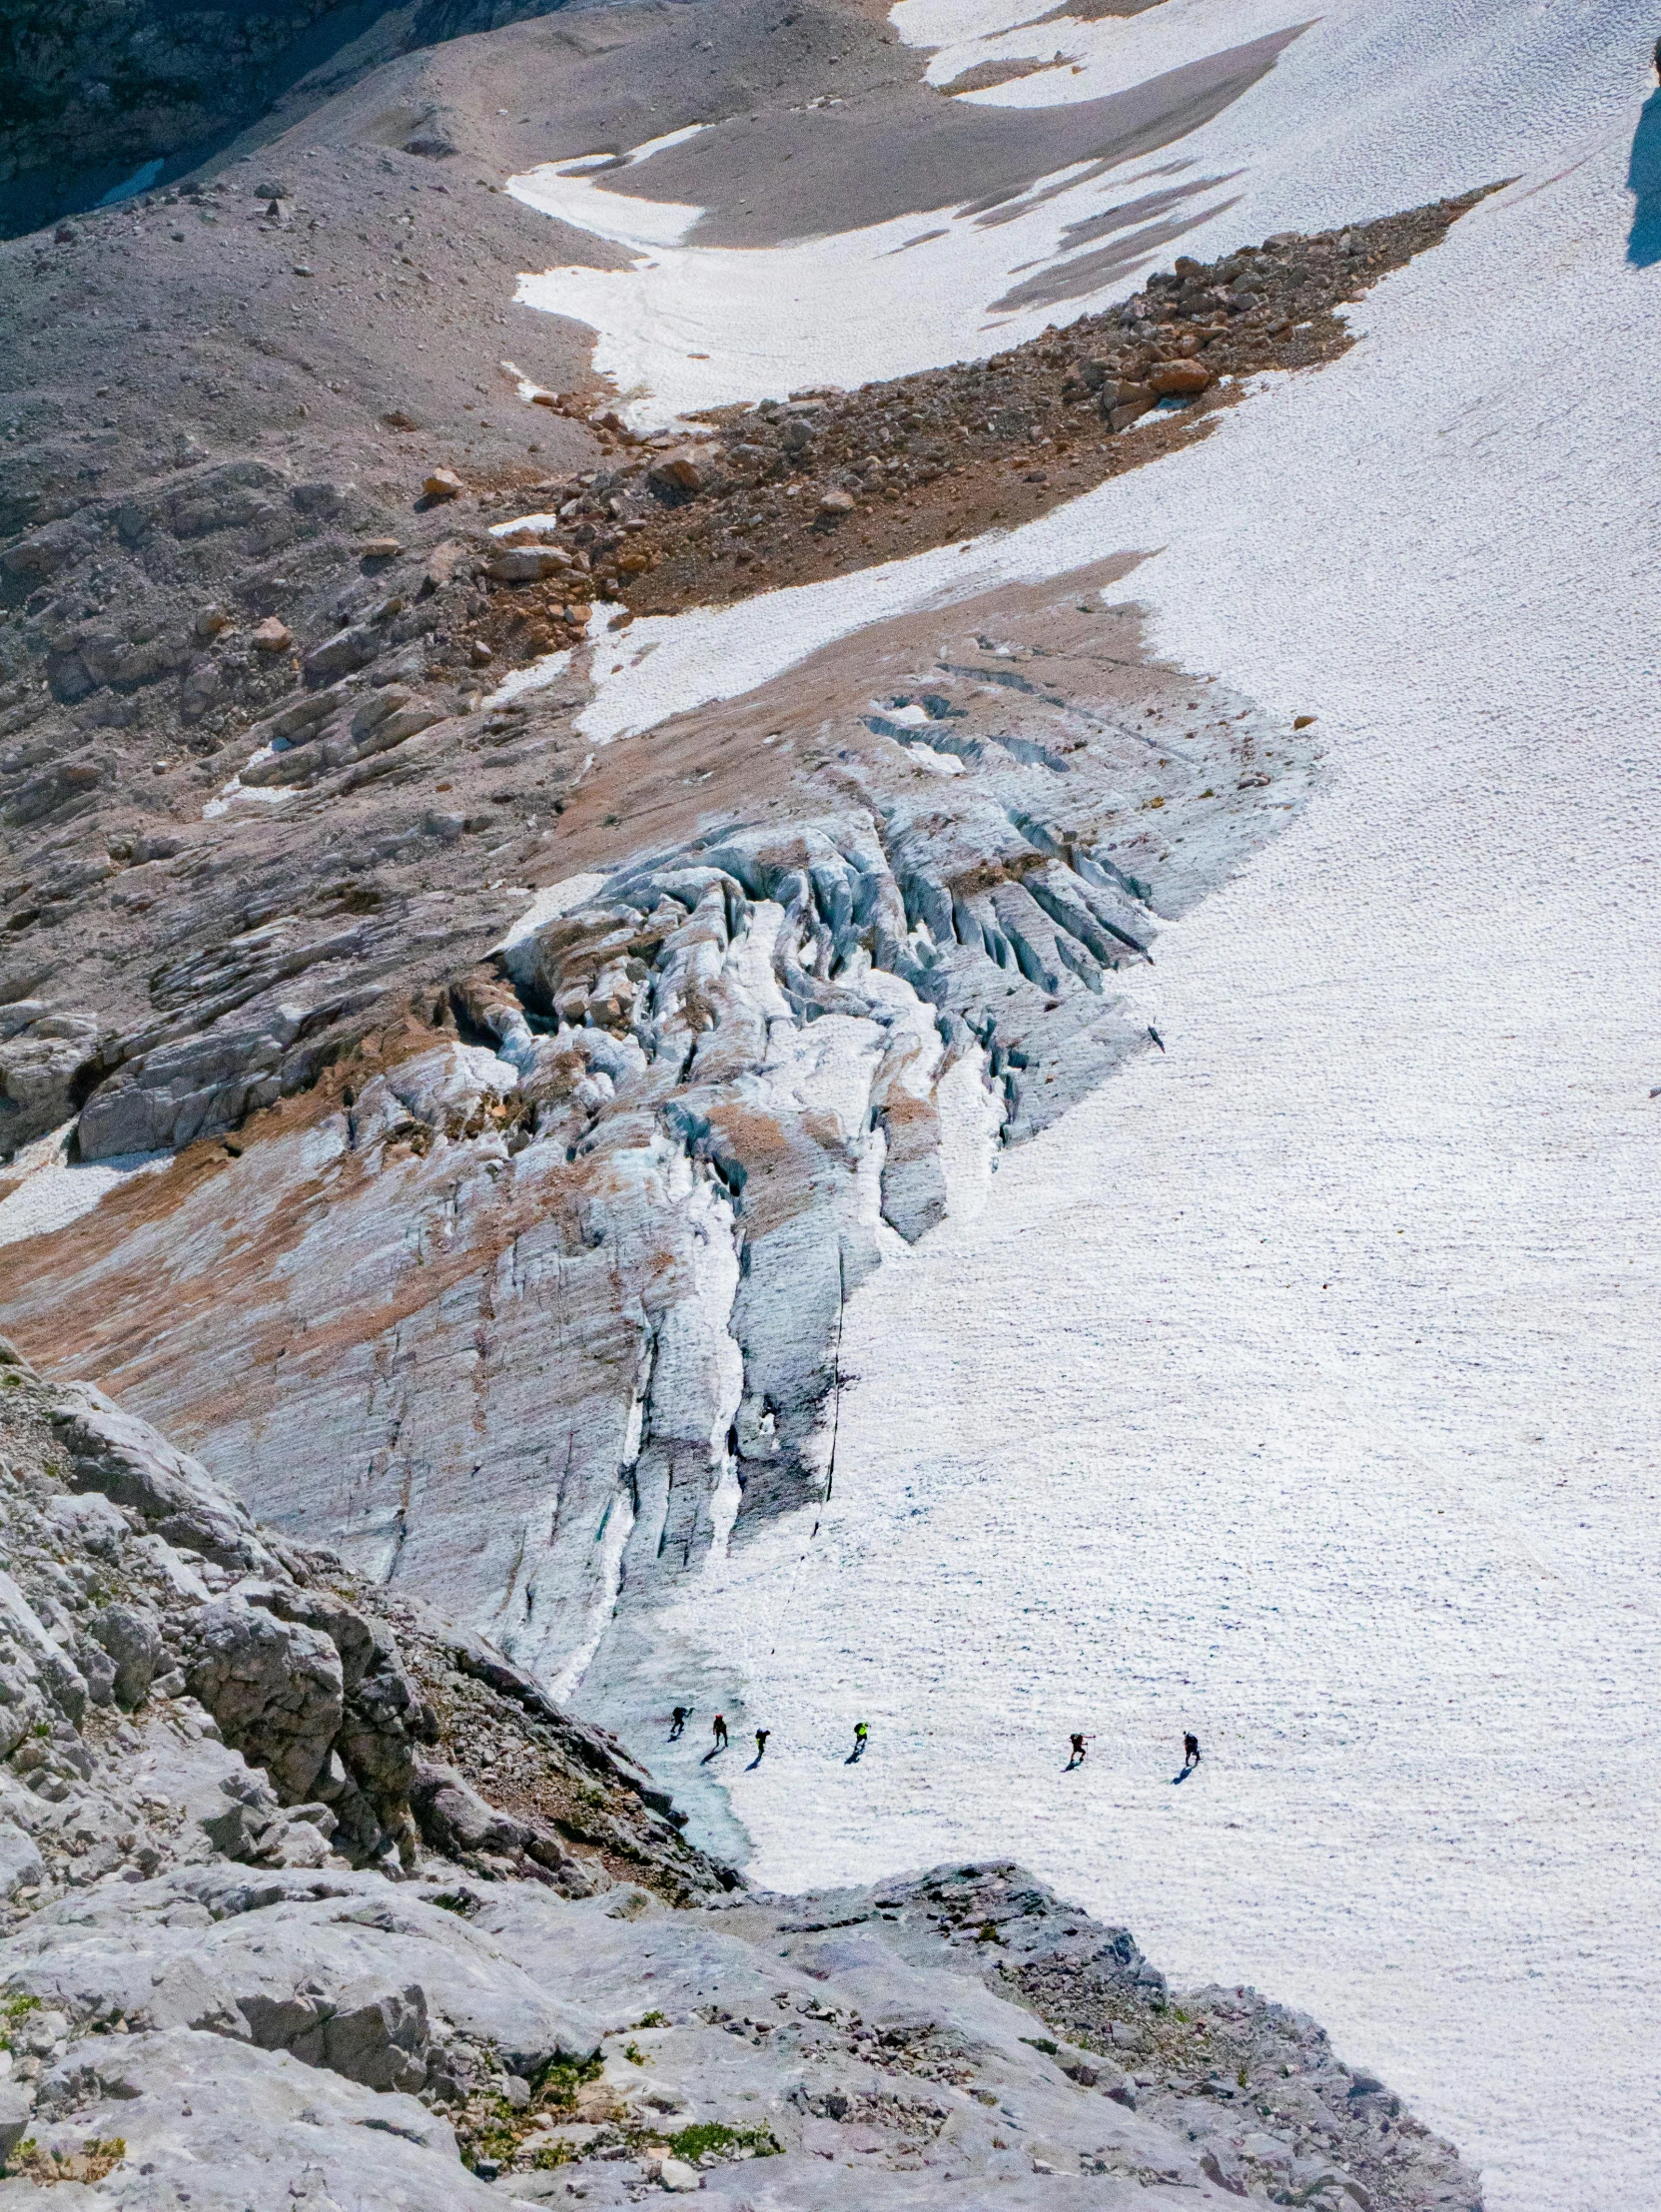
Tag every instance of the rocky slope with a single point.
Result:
(99, 95)
(138, 1585)
(259, 1938)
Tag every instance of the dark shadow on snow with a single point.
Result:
(1643, 181)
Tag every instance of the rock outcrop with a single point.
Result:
(151, 1629)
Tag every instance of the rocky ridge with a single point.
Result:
(809, 485)
(256, 1935)
(287, 1711)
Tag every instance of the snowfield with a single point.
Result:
(1365, 112)
(1301, 1387)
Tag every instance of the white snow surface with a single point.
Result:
(49, 1189)
(1300, 1387)
(1369, 111)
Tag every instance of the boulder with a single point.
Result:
(132, 1639)
(20, 1861)
(836, 501)
(39, 1063)
(350, 648)
(456, 1820)
(271, 636)
(526, 564)
(275, 1687)
(442, 484)
(388, 717)
(383, 1719)
(17, 2103)
(1180, 377)
(131, 1464)
(38, 1681)
(679, 471)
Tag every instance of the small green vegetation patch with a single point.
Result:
(96, 2157)
(560, 2080)
(14, 2010)
(693, 2143)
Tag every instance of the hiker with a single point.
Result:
(761, 1735)
(861, 1736)
(1190, 1754)
(1077, 1743)
(679, 1720)
(721, 1734)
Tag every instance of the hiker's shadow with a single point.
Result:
(715, 1754)
(1643, 181)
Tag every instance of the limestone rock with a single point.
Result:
(16, 2104)
(523, 564)
(20, 1861)
(836, 501)
(226, 2124)
(42, 1051)
(681, 471)
(275, 1687)
(272, 635)
(348, 650)
(190, 1087)
(442, 484)
(133, 1640)
(128, 1462)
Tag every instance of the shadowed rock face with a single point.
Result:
(96, 92)
(527, 1310)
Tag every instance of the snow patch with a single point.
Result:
(49, 1189)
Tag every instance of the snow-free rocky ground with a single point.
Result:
(1141, 1020)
